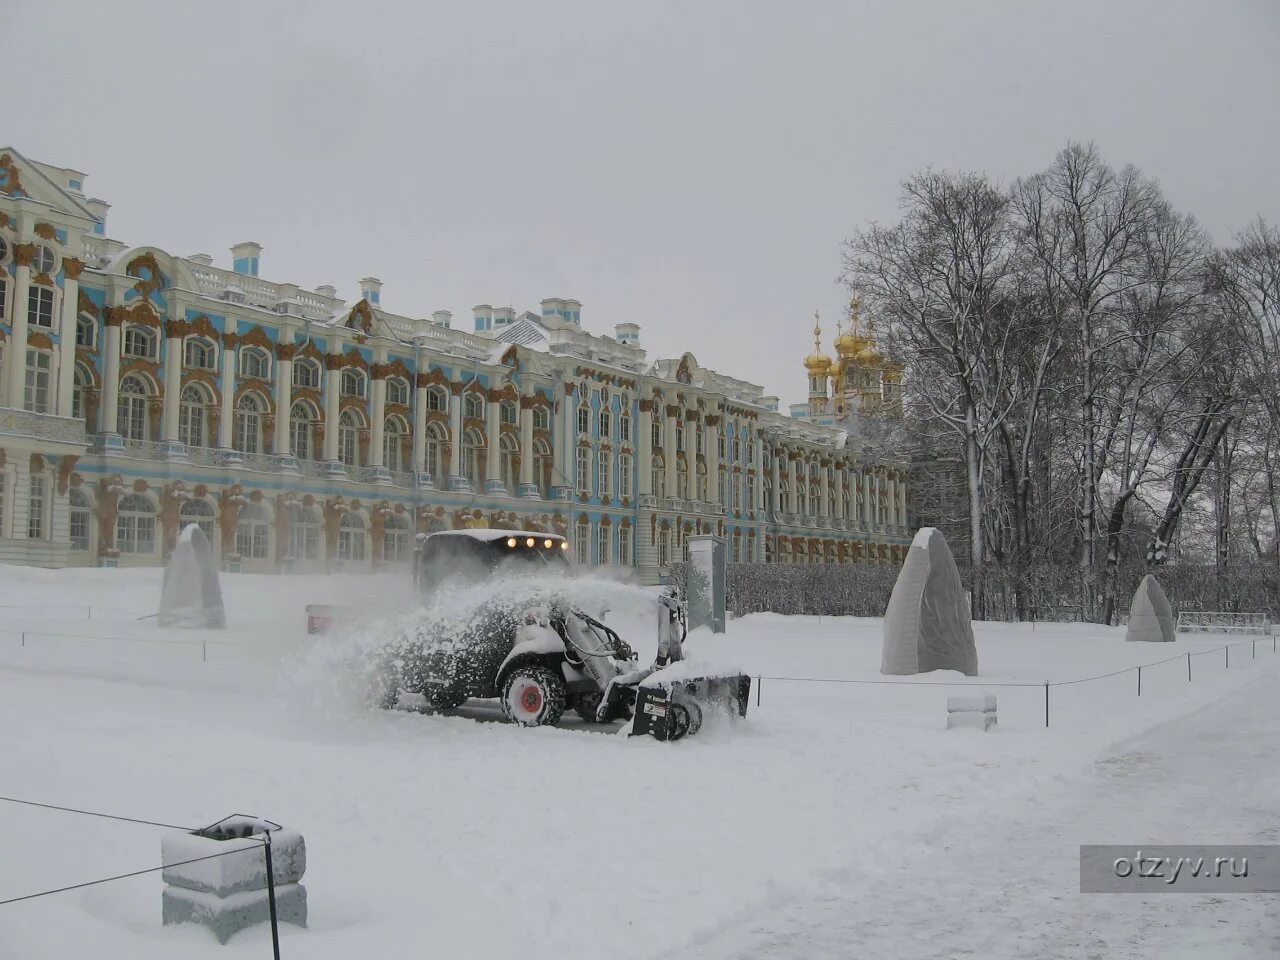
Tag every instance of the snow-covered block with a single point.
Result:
(226, 916)
(234, 872)
(981, 720)
(972, 703)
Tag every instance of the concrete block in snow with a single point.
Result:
(981, 720)
(226, 916)
(972, 703)
(236, 872)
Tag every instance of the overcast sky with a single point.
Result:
(691, 167)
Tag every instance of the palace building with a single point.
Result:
(141, 391)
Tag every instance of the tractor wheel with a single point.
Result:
(586, 704)
(679, 720)
(443, 697)
(533, 696)
(695, 716)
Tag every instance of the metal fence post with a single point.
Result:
(204, 652)
(759, 684)
(1139, 681)
(1188, 668)
(1255, 649)
(1227, 651)
(1046, 704)
(271, 896)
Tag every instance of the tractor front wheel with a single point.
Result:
(533, 696)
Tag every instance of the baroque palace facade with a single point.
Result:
(142, 391)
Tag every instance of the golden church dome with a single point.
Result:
(817, 362)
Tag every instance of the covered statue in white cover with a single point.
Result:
(1151, 615)
(927, 626)
(191, 595)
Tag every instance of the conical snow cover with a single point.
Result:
(1150, 614)
(191, 595)
(927, 626)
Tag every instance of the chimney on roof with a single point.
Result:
(327, 290)
(442, 318)
(245, 257)
(628, 333)
(371, 290)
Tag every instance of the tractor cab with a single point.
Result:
(477, 555)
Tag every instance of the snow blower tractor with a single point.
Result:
(539, 654)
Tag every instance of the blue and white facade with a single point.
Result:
(141, 390)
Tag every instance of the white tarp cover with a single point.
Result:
(927, 626)
(1150, 614)
(191, 595)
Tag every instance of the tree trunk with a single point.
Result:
(1087, 473)
(977, 552)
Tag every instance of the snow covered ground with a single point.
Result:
(838, 820)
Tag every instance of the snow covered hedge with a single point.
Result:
(829, 590)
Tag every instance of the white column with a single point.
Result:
(526, 440)
(377, 423)
(823, 491)
(172, 381)
(419, 425)
(562, 435)
(891, 486)
(669, 451)
(455, 435)
(868, 511)
(757, 461)
(644, 446)
(67, 331)
(332, 394)
(794, 482)
(17, 346)
(228, 407)
(110, 408)
(493, 446)
(776, 496)
(284, 402)
(712, 442)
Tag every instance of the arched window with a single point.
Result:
(605, 423)
(541, 418)
(248, 424)
(86, 331)
(542, 464)
(624, 429)
(254, 364)
(473, 406)
(701, 491)
(509, 450)
(199, 512)
(510, 413)
(352, 382)
(583, 475)
(193, 412)
(604, 473)
(437, 399)
(140, 342)
(664, 546)
(131, 413)
(135, 525)
(815, 499)
(82, 382)
(624, 546)
(35, 395)
(434, 460)
(306, 374)
(658, 477)
(582, 542)
(749, 501)
(655, 431)
(305, 533)
(395, 538)
(604, 553)
(200, 354)
(253, 532)
(394, 434)
(397, 391)
(472, 452)
(784, 495)
(349, 438)
(584, 419)
(682, 479)
(679, 436)
(81, 519)
(302, 422)
(351, 537)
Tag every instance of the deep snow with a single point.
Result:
(444, 835)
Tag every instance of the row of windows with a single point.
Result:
(604, 543)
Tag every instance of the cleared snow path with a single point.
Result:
(1008, 887)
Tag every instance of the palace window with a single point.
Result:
(584, 420)
(604, 471)
(35, 396)
(473, 406)
(302, 421)
(542, 464)
(679, 436)
(624, 546)
(700, 492)
(135, 525)
(44, 261)
(750, 502)
(140, 342)
(199, 512)
(248, 424)
(682, 480)
(394, 434)
(305, 533)
(472, 457)
(584, 471)
(351, 537)
(395, 538)
(664, 546)
(509, 413)
(193, 405)
(726, 488)
(657, 478)
(700, 443)
(40, 306)
(583, 542)
(306, 374)
(603, 553)
(656, 434)
(437, 399)
(81, 518)
(541, 418)
(624, 428)
(86, 329)
(397, 391)
(253, 532)
(131, 411)
(624, 476)
(349, 438)
(352, 383)
(200, 354)
(433, 454)
(37, 506)
(605, 424)
(4, 293)
(507, 464)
